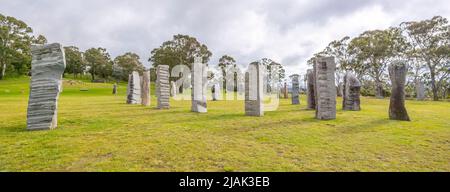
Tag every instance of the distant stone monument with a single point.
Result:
(310, 92)
(114, 89)
(145, 89)
(295, 89)
(325, 88)
(397, 74)
(199, 80)
(134, 88)
(162, 86)
(173, 89)
(285, 91)
(216, 91)
(47, 66)
(420, 90)
(351, 93)
(254, 90)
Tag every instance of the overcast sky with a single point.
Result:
(287, 31)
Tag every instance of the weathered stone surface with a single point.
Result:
(310, 93)
(325, 88)
(47, 66)
(285, 91)
(351, 93)
(254, 90)
(199, 82)
(420, 90)
(134, 88)
(173, 89)
(114, 89)
(216, 92)
(397, 74)
(295, 89)
(145, 88)
(162, 86)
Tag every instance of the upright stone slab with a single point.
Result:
(162, 86)
(173, 89)
(145, 89)
(285, 91)
(420, 90)
(295, 89)
(114, 92)
(254, 90)
(397, 74)
(216, 91)
(325, 88)
(351, 93)
(47, 66)
(199, 80)
(134, 88)
(310, 93)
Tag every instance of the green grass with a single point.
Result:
(99, 132)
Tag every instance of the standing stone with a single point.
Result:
(397, 74)
(145, 89)
(216, 91)
(199, 80)
(286, 91)
(351, 93)
(47, 66)
(420, 90)
(254, 90)
(173, 89)
(310, 93)
(134, 88)
(295, 90)
(114, 89)
(325, 88)
(162, 86)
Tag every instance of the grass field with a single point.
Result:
(98, 132)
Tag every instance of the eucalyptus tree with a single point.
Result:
(98, 62)
(430, 42)
(374, 50)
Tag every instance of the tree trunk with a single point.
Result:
(433, 85)
(397, 74)
(378, 89)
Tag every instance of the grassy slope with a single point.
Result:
(99, 132)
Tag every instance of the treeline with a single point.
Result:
(424, 45)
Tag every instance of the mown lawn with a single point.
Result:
(99, 132)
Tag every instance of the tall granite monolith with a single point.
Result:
(173, 89)
(351, 93)
(397, 74)
(162, 86)
(285, 91)
(114, 92)
(134, 88)
(295, 89)
(325, 88)
(254, 90)
(47, 66)
(199, 82)
(420, 90)
(310, 92)
(216, 92)
(145, 88)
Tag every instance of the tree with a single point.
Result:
(125, 64)
(15, 41)
(181, 50)
(99, 62)
(430, 41)
(374, 50)
(75, 62)
(226, 62)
